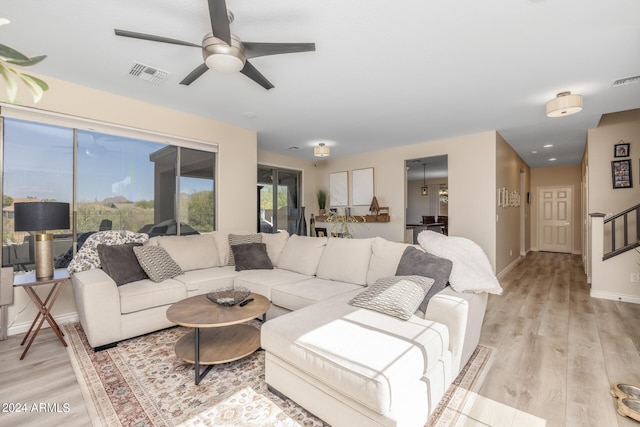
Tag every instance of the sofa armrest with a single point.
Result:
(463, 314)
(98, 304)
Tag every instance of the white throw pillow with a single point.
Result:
(275, 244)
(191, 252)
(346, 260)
(302, 254)
(385, 257)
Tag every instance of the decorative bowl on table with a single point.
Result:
(229, 296)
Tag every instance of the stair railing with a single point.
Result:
(629, 218)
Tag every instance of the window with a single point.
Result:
(121, 182)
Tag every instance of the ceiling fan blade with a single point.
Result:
(220, 20)
(254, 49)
(197, 72)
(251, 72)
(153, 38)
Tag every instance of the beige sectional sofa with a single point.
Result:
(347, 365)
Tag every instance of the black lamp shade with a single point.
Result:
(39, 216)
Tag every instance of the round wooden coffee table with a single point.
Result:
(224, 337)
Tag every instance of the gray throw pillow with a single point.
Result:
(239, 239)
(157, 263)
(417, 262)
(251, 256)
(397, 296)
(120, 263)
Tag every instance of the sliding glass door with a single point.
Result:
(279, 200)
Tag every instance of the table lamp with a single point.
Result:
(40, 217)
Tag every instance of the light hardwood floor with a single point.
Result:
(558, 351)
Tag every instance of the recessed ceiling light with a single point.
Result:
(553, 159)
(534, 152)
(250, 114)
(548, 145)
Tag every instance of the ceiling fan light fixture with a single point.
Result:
(224, 63)
(321, 150)
(564, 104)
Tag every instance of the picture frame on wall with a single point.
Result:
(621, 174)
(621, 149)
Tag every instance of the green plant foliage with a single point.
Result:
(9, 59)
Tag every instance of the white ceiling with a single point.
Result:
(384, 73)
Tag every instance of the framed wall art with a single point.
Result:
(362, 180)
(621, 174)
(338, 189)
(621, 149)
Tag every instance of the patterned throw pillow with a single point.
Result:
(239, 239)
(88, 258)
(398, 296)
(157, 263)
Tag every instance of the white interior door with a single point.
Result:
(555, 230)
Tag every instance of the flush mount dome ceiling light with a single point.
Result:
(564, 104)
(321, 150)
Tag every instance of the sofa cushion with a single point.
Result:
(346, 260)
(385, 256)
(87, 257)
(302, 254)
(157, 263)
(251, 256)
(239, 239)
(120, 263)
(417, 262)
(296, 295)
(389, 353)
(263, 281)
(145, 294)
(275, 244)
(191, 252)
(208, 279)
(398, 296)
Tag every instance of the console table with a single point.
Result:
(28, 282)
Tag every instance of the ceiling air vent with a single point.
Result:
(148, 73)
(626, 81)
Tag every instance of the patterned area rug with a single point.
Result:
(141, 382)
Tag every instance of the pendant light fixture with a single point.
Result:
(424, 190)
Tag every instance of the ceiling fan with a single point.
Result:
(225, 52)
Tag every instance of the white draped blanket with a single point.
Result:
(471, 271)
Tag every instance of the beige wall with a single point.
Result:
(511, 171)
(236, 170)
(558, 176)
(603, 198)
(472, 183)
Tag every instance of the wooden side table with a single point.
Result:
(28, 282)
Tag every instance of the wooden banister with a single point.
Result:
(629, 217)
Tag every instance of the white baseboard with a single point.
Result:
(615, 297)
(23, 327)
(509, 267)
